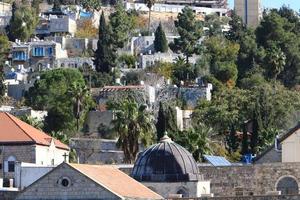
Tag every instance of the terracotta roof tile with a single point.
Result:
(117, 181)
(14, 130)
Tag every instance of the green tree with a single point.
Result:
(4, 50)
(214, 24)
(51, 93)
(91, 5)
(160, 41)
(79, 93)
(149, 4)
(197, 141)
(35, 4)
(105, 55)
(22, 24)
(122, 26)
(134, 124)
(237, 28)
(220, 55)
(190, 31)
(277, 34)
(225, 114)
(33, 121)
(161, 122)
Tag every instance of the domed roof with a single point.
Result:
(165, 162)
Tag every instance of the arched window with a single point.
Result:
(184, 192)
(10, 164)
(287, 185)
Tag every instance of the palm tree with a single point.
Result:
(78, 92)
(149, 4)
(134, 124)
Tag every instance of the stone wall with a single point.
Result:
(268, 197)
(8, 195)
(247, 180)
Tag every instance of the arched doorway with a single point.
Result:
(287, 185)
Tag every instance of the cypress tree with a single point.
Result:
(245, 141)
(161, 122)
(105, 55)
(160, 41)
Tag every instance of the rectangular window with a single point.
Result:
(19, 55)
(11, 166)
(38, 51)
(50, 51)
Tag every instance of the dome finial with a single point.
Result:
(165, 138)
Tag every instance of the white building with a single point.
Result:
(149, 60)
(20, 142)
(172, 8)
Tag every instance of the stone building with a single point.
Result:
(20, 142)
(249, 10)
(36, 55)
(77, 181)
(169, 169)
(283, 149)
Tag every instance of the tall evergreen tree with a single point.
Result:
(190, 31)
(161, 122)
(105, 55)
(4, 49)
(121, 25)
(160, 41)
(23, 23)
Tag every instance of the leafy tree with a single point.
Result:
(214, 23)
(133, 123)
(4, 50)
(127, 61)
(163, 68)
(51, 93)
(86, 29)
(277, 34)
(160, 41)
(22, 24)
(190, 31)
(56, 5)
(225, 114)
(33, 121)
(272, 107)
(197, 141)
(35, 4)
(237, 28)
(105, 55)
(149, 4)
(122, 25)
(91, 5)
(220, 55)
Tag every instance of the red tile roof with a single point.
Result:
(122, 88)
(116, 181)
(13, 130)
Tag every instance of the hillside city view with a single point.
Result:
(149, 100)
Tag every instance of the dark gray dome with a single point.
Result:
(165, 162)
